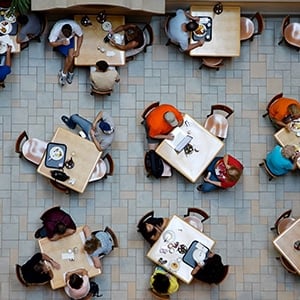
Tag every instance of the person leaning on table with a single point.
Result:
(5, 68)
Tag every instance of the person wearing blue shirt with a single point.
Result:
(5, 69)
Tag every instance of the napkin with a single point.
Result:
(67, 255)
(110, 53)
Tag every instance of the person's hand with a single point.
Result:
(9, 48)
(112, 42)
(288, 126)
(54, 264)
(170, 137)
(206, 179)
(65, 42)
(201, 43)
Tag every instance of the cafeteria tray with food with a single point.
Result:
(204, 30)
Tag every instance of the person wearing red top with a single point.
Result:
(161, 120)
(223, 172)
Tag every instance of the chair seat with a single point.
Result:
(33, 150)
(217, 125)
(284, 224)
(247, 28)
(292, 34)
(212, 61)
(99, 171)
(195, 222)
(167, 170)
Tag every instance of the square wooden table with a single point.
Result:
(284, 243)
(84, 154)
(225, 40)
(56, 250)
(183, 233)
(93, 36)
(206, 147)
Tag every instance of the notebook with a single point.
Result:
(181, 139)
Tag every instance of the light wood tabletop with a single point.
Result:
(93, 36)
(225, 40)
(284, 243)
(84, 154)
(206, 146)
(59, 250)
(171, 258)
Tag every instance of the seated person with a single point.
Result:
(283, 111)
(180, 28)
(56, 225)
(213, 270)
(163, 283)
(101, 131)
(97, 244)
(133, 37)
(223, 172)
(160, 122)
(281, 160)
(152, 228)
(5, 69)
(78, 284)
(35, 271)
(103, 77)
(31, 28)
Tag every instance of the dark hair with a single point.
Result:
(60, 228)
(39, 267)
(191, 26)
(147, 235)
(22, 19)
(102, 65)
(161, 283)
(66, 30)
(75, 281)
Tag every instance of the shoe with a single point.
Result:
(62, 78)
(37, 234)
(66, 120)
(70, 77)
(199, 187)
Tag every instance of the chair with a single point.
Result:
(143, 219)
(158, 296)
(44, 22)
(113, 236)
(287, 265)
(195, 221)
(289, 33)
(217, 123)
(148, 110)
(104, 168)
(284, 221)
(20, 276)
(31, 149)
(148, 41)
(271, 102)
(248, 30)
(60, 187)
(100, 93)
(267, 170)
(211, 62)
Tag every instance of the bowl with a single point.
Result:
(200, 31)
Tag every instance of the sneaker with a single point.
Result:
(70, 77)
(199, 187)
(62, 78)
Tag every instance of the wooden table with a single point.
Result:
(185, 234)
(284, 243)
(55, 249)
(93, 39)
(84, 154)
(206, 147)
(225, 40)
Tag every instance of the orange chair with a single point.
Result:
(289, 32)
(248, 30)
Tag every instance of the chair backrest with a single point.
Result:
(113, 236)
(148, 109)
(20, 275)
(260, 23)
(212, 62)
(144, 218)
(19, 141)
(267, 170)
(60, 187)
(221, 107)
(285, 23)
(158, 296)
(284, 216)
(271, 102)
(103, 168)
(197, 211)
(287, 265)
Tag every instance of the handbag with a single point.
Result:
(59, 175)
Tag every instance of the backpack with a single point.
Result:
(94, 289)
(153, 164)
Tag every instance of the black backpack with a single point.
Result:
(94, 289)
(153, 164)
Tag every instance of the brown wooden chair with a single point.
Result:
(148, 109)
(195, 221)
(113, 236)
(264, 165)
(104, 168)
(287, 265)
(248, 28)
(158, 296)
(212, 62)
(31, 149)
(284, 221)
(217, 123)
(280, 95)
(20, 276)
(289, 33)
(144, 218)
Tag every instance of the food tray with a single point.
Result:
(189, 258)
(207, 36)
(55, 155)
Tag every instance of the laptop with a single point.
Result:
(181, 139)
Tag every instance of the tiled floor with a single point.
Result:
(240, 217)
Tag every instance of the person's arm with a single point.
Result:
(164, 136)
(79, 43)
(56, 236)
(87, 231)
(97, 262)
(122, 28)
(97, 119)
(93, 128)
(189, 16)
(194, 45)
(53, 263)
(8, 56)
(59, 43)
(295, 161)
(131, 45)
(216, 183)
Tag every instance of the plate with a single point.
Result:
(3, 47)
(169, 236)
(174, 265)
(295, 126)
(106, 26)
(5, 27)
(201, 30)
(117, 38)
(199, 256)
(56, 153)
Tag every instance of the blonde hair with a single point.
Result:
(288, 151)
(294, 110)
(233, 173)
(92, 244)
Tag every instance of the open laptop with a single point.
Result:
(181, 139)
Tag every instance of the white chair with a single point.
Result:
(193, 220)
(104, 168)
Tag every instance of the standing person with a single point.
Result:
(5, 69)
(56, 225)
(78, 284)
(31, 28)
(101, 131)
(104, 77)
(62, 37)
(35, 271)
(223, 172)
(180, 28)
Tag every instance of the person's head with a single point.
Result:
(233, 173)
(288, 151)
(294, 110)
(60, 228)
(102, 65)
(105, 127)
(132, 33)
(161, 283)
(75, 281)
(170, 117)
(91, 245)
(66, 30)
(148, 231)
(41, 268)
(22, 19)
(191, 26)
